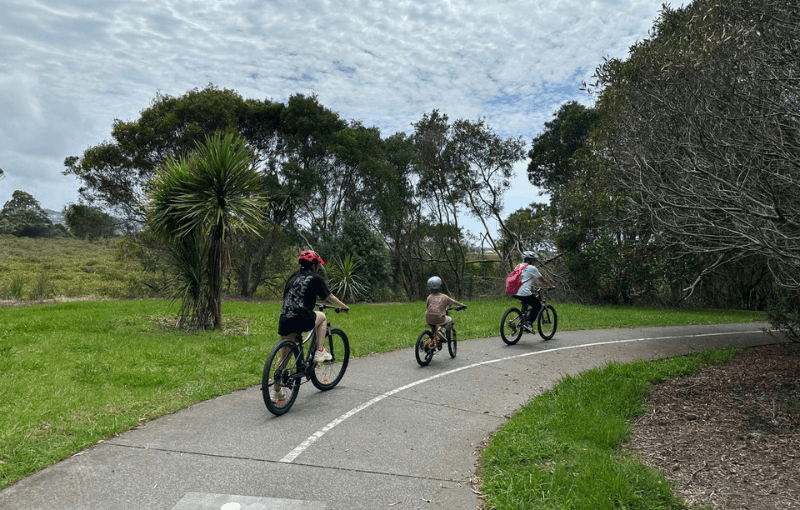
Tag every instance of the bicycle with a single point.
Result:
(431, 341)
(288, 364)
(514, 324)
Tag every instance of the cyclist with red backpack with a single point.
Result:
(528, 273)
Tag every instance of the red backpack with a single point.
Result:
(514, 279)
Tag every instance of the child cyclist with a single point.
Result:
(436, 305)
(530, 273)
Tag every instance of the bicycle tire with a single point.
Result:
(289, 385)
(511, 326)
(452, 342)
(327, 374)
(423, 351)
(547, 322)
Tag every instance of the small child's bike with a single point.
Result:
(431, 341)
(515, 322)
(288, 364)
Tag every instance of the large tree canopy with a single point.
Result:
(704, 130)
(116, 173)
(552, 156)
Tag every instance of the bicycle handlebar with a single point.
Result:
(457, 308)
(323, 306)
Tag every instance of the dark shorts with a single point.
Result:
(296, 324)
(531, 304)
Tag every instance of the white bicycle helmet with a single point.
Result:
(434, 283)
(529, 255)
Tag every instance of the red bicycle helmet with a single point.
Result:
(311, 256)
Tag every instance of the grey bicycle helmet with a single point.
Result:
(434, 283)
(529, 255)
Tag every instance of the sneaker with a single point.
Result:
(322, 355)
(277, 396)
(528, 326)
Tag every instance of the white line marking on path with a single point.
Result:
(321, 432)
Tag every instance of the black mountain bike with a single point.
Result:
(431, 341)
(514, 321)
(288, 364)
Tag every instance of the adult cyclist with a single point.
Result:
(299, 296)
(525, 293)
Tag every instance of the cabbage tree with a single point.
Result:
(196, 204)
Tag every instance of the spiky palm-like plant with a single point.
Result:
(196, 203)
(346, 282)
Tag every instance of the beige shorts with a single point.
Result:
(447, 320)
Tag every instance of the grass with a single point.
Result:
(566, 448)
(39, 268)
(74, 373)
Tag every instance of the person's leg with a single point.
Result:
(320, 328)
(276, 388)
(447, 324)
(535, 306)
(524, 302)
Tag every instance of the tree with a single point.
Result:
(259, 258)
(89, 222)
(530, 228)
(23, 217)
(116, 173)
(396, 205)
(197, 203)
(440, 175)
(553, 162)
(703, 131)
(368, 263)
(488, 162)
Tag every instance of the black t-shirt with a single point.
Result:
(300, 294)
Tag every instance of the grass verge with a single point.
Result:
(565, 449)
(74, 373)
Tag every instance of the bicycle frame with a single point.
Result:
(291, 361)
(526, 306)
(515, 321)
(306, 358)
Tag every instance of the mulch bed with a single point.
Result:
(729, 437)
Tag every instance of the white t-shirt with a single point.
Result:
(529, 275)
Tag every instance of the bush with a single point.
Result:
(784, 312)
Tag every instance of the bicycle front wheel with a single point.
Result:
(424, 349)
(548, 322)
(511, 326)
(327, 374)
(280, 382)
(452, 342)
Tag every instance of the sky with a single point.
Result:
(69, 68)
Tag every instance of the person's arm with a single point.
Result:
(456, 302)
(545, 282)
(333, 299)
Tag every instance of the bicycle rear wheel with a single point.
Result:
(424, 349)
(327, 374)
(548, 322)
(452, 342)
(279, 383)
(511, 326)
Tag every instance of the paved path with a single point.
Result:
(393, 435)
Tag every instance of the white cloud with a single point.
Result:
(70, 67)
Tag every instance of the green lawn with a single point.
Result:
(74, 373)
(565, 449)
